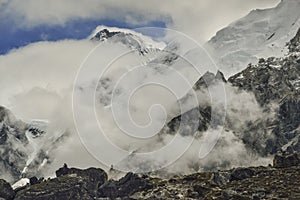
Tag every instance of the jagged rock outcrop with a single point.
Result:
(271, 79)
(209, 79)
(194, 120)
(197, 119)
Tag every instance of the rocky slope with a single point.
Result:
(272, 182)
(22, 150)
(275, 84)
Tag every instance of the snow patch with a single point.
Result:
(22, 182)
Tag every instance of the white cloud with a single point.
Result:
(199, 19)
(37, 81)
(52, 66)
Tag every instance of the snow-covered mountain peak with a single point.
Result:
(261, 33)
(127, 37)
(105, 34)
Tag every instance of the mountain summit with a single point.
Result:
(130, 38)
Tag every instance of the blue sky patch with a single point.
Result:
(12, 36)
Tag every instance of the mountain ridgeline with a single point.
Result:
(262, 119)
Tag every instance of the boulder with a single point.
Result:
(33, 180)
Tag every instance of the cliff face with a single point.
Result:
(273, 182)
(275, 83)
(24, 146)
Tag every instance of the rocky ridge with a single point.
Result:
(271, 182)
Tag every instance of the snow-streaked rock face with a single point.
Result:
(274, 78)
(24, 146)
(262, 33)
(275, 84)
(12, 147)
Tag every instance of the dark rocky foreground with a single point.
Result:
(280, 181)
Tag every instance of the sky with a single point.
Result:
(26, 21)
